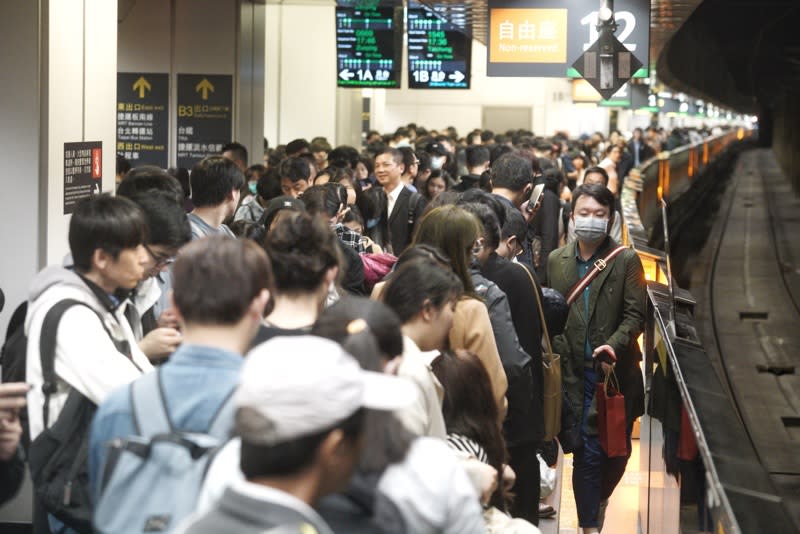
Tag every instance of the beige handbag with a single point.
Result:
(551, 370)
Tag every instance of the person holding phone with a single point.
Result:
(604, 322)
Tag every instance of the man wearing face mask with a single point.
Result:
(605, 319)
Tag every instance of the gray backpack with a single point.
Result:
(151, 481)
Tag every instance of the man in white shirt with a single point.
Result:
(403, 208)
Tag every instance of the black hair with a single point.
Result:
(487, 199)
(491, 228)
(552, 179)
(424, 161)
(111, 224)
(513, 172)
(269, 185)
(515, 226)
(487, 135)
(477, 155)
(320, 145)
(419, 281)
(166, 221)
(302, 249)
(213, 179)
(295, 169)
(294, 148)
(253, 230)
(601, 194)
(239, 151)
(382, 323)
(148, 178)
(409, 157)
(344, 156)
(328, 198)
(597, 170)
(290, 457)
(182, 175)
(396, 154)
(123, 165)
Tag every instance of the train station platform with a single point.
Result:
(749, 316)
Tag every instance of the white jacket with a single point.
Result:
(423, 417)
(86, 358)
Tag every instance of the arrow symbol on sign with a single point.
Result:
(141, 85)
(346, 74)
(204, 86)
(457, 76)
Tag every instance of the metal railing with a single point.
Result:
(644, 197)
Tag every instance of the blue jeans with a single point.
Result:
(594, 475)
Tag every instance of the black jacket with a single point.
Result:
(404, 219)
(645, 151)
(544, 227)
(513, 281)
(517, 364)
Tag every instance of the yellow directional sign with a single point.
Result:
(141, 85)
(204, 86)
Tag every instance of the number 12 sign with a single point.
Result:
(544, 37)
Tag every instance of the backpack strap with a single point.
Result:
(150, 415)
(599, 265)
(221, 422)
(47, 350)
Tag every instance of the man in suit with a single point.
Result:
(639, 149)
(607, 318)
(403, 208)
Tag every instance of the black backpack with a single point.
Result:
(58, 457)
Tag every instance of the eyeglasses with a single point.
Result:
(162, 260)
(477, 247)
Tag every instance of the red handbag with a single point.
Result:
(687, 445)
(611, 417)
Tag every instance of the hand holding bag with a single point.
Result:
(611, 417)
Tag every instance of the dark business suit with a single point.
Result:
(645, 151)
(400, 231)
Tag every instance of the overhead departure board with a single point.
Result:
(438, 52)
(369, 37)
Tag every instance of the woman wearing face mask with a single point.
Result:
(601, 334)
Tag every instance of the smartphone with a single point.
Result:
(536, 195)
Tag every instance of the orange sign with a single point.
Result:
(528, 35)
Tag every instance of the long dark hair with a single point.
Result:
(469, 408)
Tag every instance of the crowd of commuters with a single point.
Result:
(217, 366)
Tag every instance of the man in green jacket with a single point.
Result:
(606, 318)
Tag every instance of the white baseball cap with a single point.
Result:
(306, 384)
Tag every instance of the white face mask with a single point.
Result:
(436, 163)
(590, 229)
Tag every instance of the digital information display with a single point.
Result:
(369, 37)
(438, 52)
(545, 37)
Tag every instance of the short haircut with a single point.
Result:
(609, 148)
(320, 146)
(597, 170)
(269, 185)
(238, 150)
(213, 179)
(295, 169)
(182, 175)
(601, 194)
(498, 151)
(344, 156)
(418, 281)
(123, 165)
(214, 280)
(424, 161)
(512, 172)
(302, 249)
(167, 222)
(482, 197)
(148, 178)
(396, 154)
(289, 457)
(477, 155)
(254, 172)
(515, 226)
(297, 147)
(111, 224)
(491, 227)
